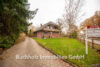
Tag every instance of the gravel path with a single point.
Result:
(30, 48)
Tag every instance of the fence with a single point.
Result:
(93, 43)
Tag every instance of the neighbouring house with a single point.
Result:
(48, 30)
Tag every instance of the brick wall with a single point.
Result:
(42, 34)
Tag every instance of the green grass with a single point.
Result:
(0, 57)
(66, 47)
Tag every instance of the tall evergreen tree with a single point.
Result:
(13, 17)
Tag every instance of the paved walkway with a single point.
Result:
(31, 48)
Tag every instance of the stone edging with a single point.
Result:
(56, 55)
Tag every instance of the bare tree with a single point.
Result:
(72, 13)
(60, 24)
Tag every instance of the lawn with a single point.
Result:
(67, 46)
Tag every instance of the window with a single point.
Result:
(47, 27)
(51, 33)
(46, 32)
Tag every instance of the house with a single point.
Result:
(48, 30)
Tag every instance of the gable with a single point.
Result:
(49, 26)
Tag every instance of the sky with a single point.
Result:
(51, 10)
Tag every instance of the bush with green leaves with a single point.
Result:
(31, 32)
(74, 35)
(7, 41)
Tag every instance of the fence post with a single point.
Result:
(92, 43)
(86, 42)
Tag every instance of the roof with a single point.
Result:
(43, 26)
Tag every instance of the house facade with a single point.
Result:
(49, 30)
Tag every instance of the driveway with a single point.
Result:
(13, 57)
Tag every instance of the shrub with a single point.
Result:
(74, 35)
(31, 32)
(7, 41)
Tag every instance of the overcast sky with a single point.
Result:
(51, 10)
